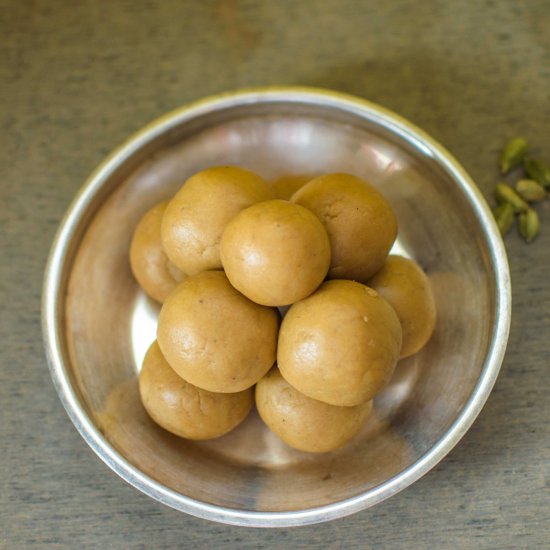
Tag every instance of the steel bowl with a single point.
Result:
(98, 324)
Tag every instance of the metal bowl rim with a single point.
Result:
(58, 257)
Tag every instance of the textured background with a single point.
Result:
(76, 77)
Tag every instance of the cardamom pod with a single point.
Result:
(530, 190)
(504, 216)
(504, 193)
(512, 154)
(537, 170)
(528, 225)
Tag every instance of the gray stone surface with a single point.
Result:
(77, 77)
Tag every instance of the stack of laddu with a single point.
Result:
(225, 254)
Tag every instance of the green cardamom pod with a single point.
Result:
(528, 225)
(504, 193)
(538, 171)
(512, 154)
(530, 190)
(504, 216)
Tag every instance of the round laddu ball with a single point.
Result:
(359, 221)
(197, 215)
(304, 423)
(214, 337)
(275, 252)
(407, 289)
(150, 265)
(184, 409)
(341, 344)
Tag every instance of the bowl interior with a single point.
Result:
(108, 322)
